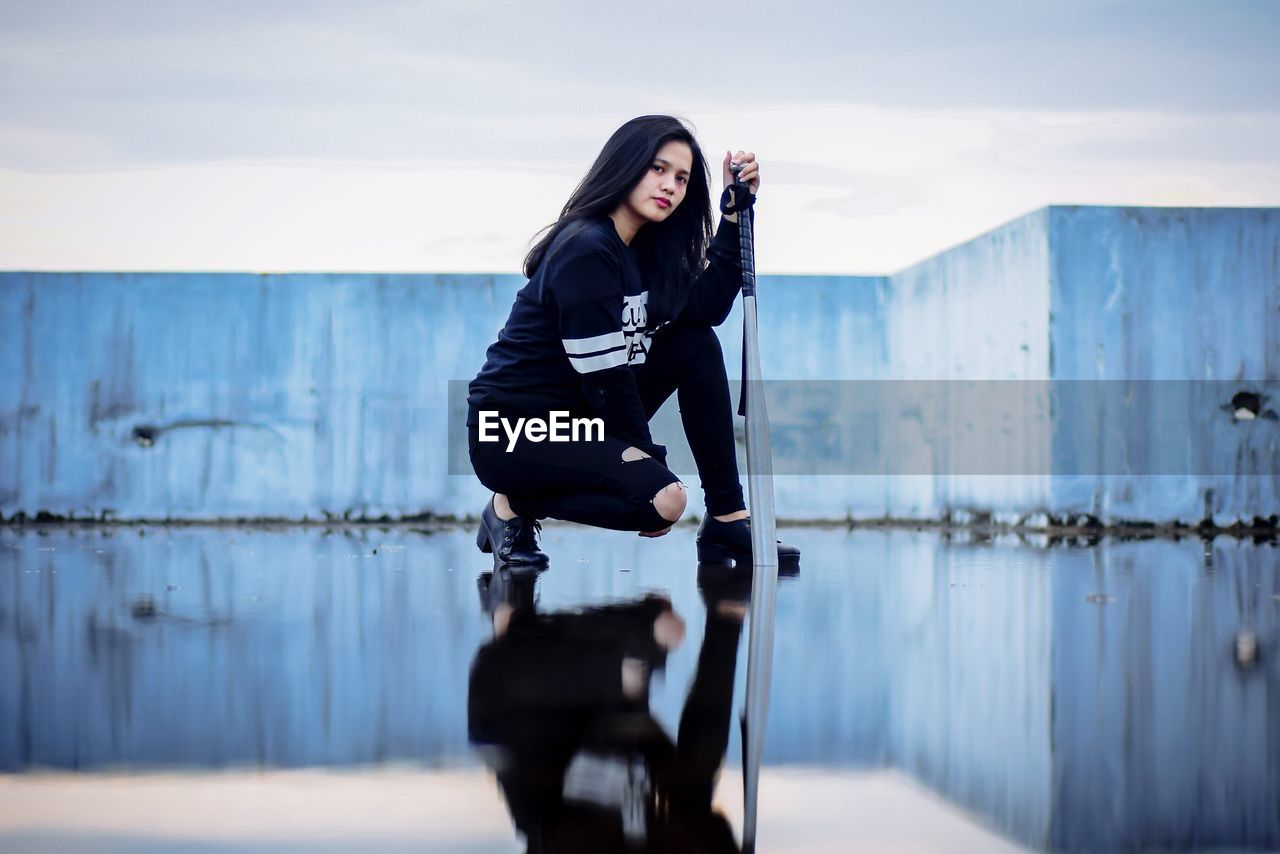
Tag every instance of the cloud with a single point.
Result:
(443, 135)
(159, 82)
(1239, 138)
(844, 190)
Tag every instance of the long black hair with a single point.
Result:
(670, 253)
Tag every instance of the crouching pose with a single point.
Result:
(623, 292)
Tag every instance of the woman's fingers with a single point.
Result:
(750, 174)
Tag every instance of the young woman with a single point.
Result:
(618, 313)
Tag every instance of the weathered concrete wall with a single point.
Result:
(1174, 295)
(976, 312)
(224, 395)
(288, 396)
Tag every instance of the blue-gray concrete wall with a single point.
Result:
(282, 396)
(975, 313)
(1168, 294)
(156, 395)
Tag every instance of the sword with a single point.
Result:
(764, 577)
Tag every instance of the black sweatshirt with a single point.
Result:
(579, 330)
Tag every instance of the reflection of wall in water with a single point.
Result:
(969, 630)
(1079, 697)
(1159, 736)
(283, 648)
(1091, 699)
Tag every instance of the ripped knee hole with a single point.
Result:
(665, 491)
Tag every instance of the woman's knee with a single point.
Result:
(671, 501)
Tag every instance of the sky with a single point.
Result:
(442, 136)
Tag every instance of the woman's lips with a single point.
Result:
(663, 203)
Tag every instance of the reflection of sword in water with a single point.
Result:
(764, 579)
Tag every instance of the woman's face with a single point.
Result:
(662, 188)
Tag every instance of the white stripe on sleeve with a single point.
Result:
(583, 346)
(587, 364)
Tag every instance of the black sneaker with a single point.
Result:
(512, 543)
(730, 542)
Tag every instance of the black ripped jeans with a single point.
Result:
(588, 482)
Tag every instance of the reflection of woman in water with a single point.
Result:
(559, 705)
(623, 292)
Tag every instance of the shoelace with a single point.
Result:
(526, 533)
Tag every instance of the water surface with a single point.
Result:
(934, 692)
